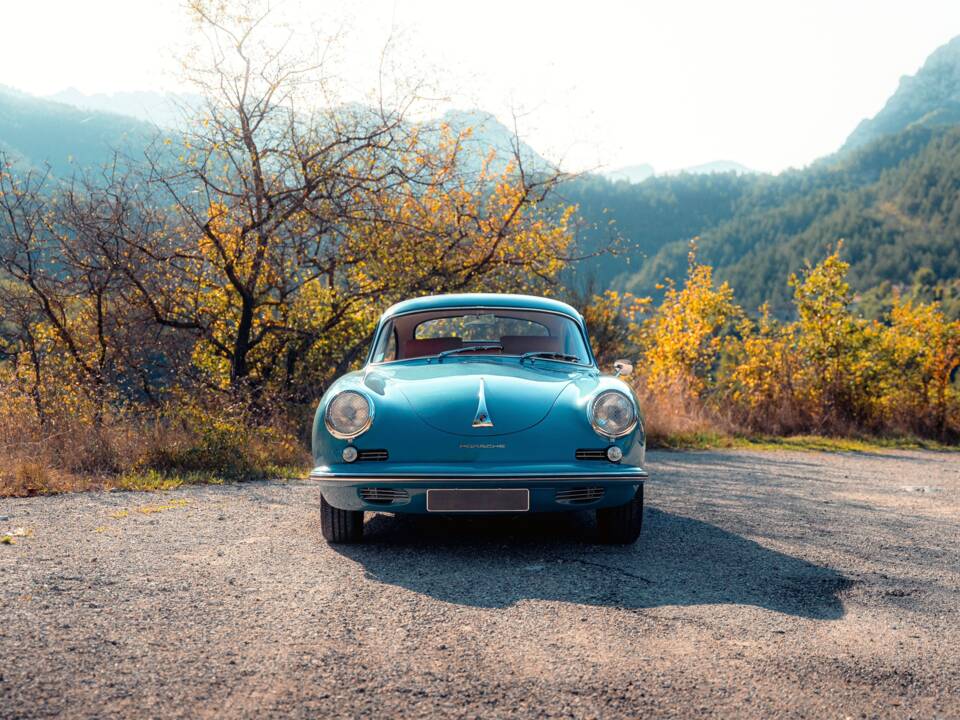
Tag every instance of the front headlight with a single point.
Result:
(613, 414)
(348, 414)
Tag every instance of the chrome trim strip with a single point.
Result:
(478, 306)
(482, 419)
(452, 477)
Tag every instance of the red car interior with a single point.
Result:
(520, 344)
(512, 345)
(429, 346)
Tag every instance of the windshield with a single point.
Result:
(467, 333)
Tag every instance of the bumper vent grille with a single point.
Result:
(579, 495)
(591, 454)
(385, 496)
(372, 455)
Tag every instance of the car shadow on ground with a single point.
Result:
(497, 562)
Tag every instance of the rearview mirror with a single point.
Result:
(623, 367)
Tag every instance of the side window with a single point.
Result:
(386, 349)
(574, 343)
(390, 353)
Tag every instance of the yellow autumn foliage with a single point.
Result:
(681, 342)
(705, 365)
(828, 371)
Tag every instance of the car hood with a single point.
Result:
(446, 395)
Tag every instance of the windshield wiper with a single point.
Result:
(468, 348)
(550, 356)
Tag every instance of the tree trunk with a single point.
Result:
(241, 346)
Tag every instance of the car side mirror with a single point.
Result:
(623, 367)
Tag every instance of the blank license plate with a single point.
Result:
(479, 500)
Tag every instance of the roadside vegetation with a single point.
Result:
(173, 318)
(712, 374)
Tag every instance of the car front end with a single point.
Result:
(479, 433)
(562, 460)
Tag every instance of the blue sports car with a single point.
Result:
(480, 403)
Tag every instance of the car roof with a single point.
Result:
(482, 300)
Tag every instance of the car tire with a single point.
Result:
(340, 526)
(621, 525)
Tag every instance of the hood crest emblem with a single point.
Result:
(482, 419)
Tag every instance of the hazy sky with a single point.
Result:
(767, 83)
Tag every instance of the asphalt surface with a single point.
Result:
(764, 585)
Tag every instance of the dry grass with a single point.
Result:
(148, 451)
(674, 421)
(670, 415)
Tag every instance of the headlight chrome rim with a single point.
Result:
(350, 435)
(591, 415)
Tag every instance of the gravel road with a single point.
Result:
(764, 585)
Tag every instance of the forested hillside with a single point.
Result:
(38, 133)
(637, 219)
(894, 203)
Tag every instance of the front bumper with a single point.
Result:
(405, 491)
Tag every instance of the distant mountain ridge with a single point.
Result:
(488, 133)
(630, 173)
(930, 98)
(37, 133)
(894, 202)
(161, 109)
(164, 110)
(639, 173)
(71, 130)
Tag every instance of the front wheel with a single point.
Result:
(340, 526)
(621, 525)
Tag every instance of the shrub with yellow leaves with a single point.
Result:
(759, 376)
(836, 368)
(682, 340)
(832, 372)
(922, 350)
